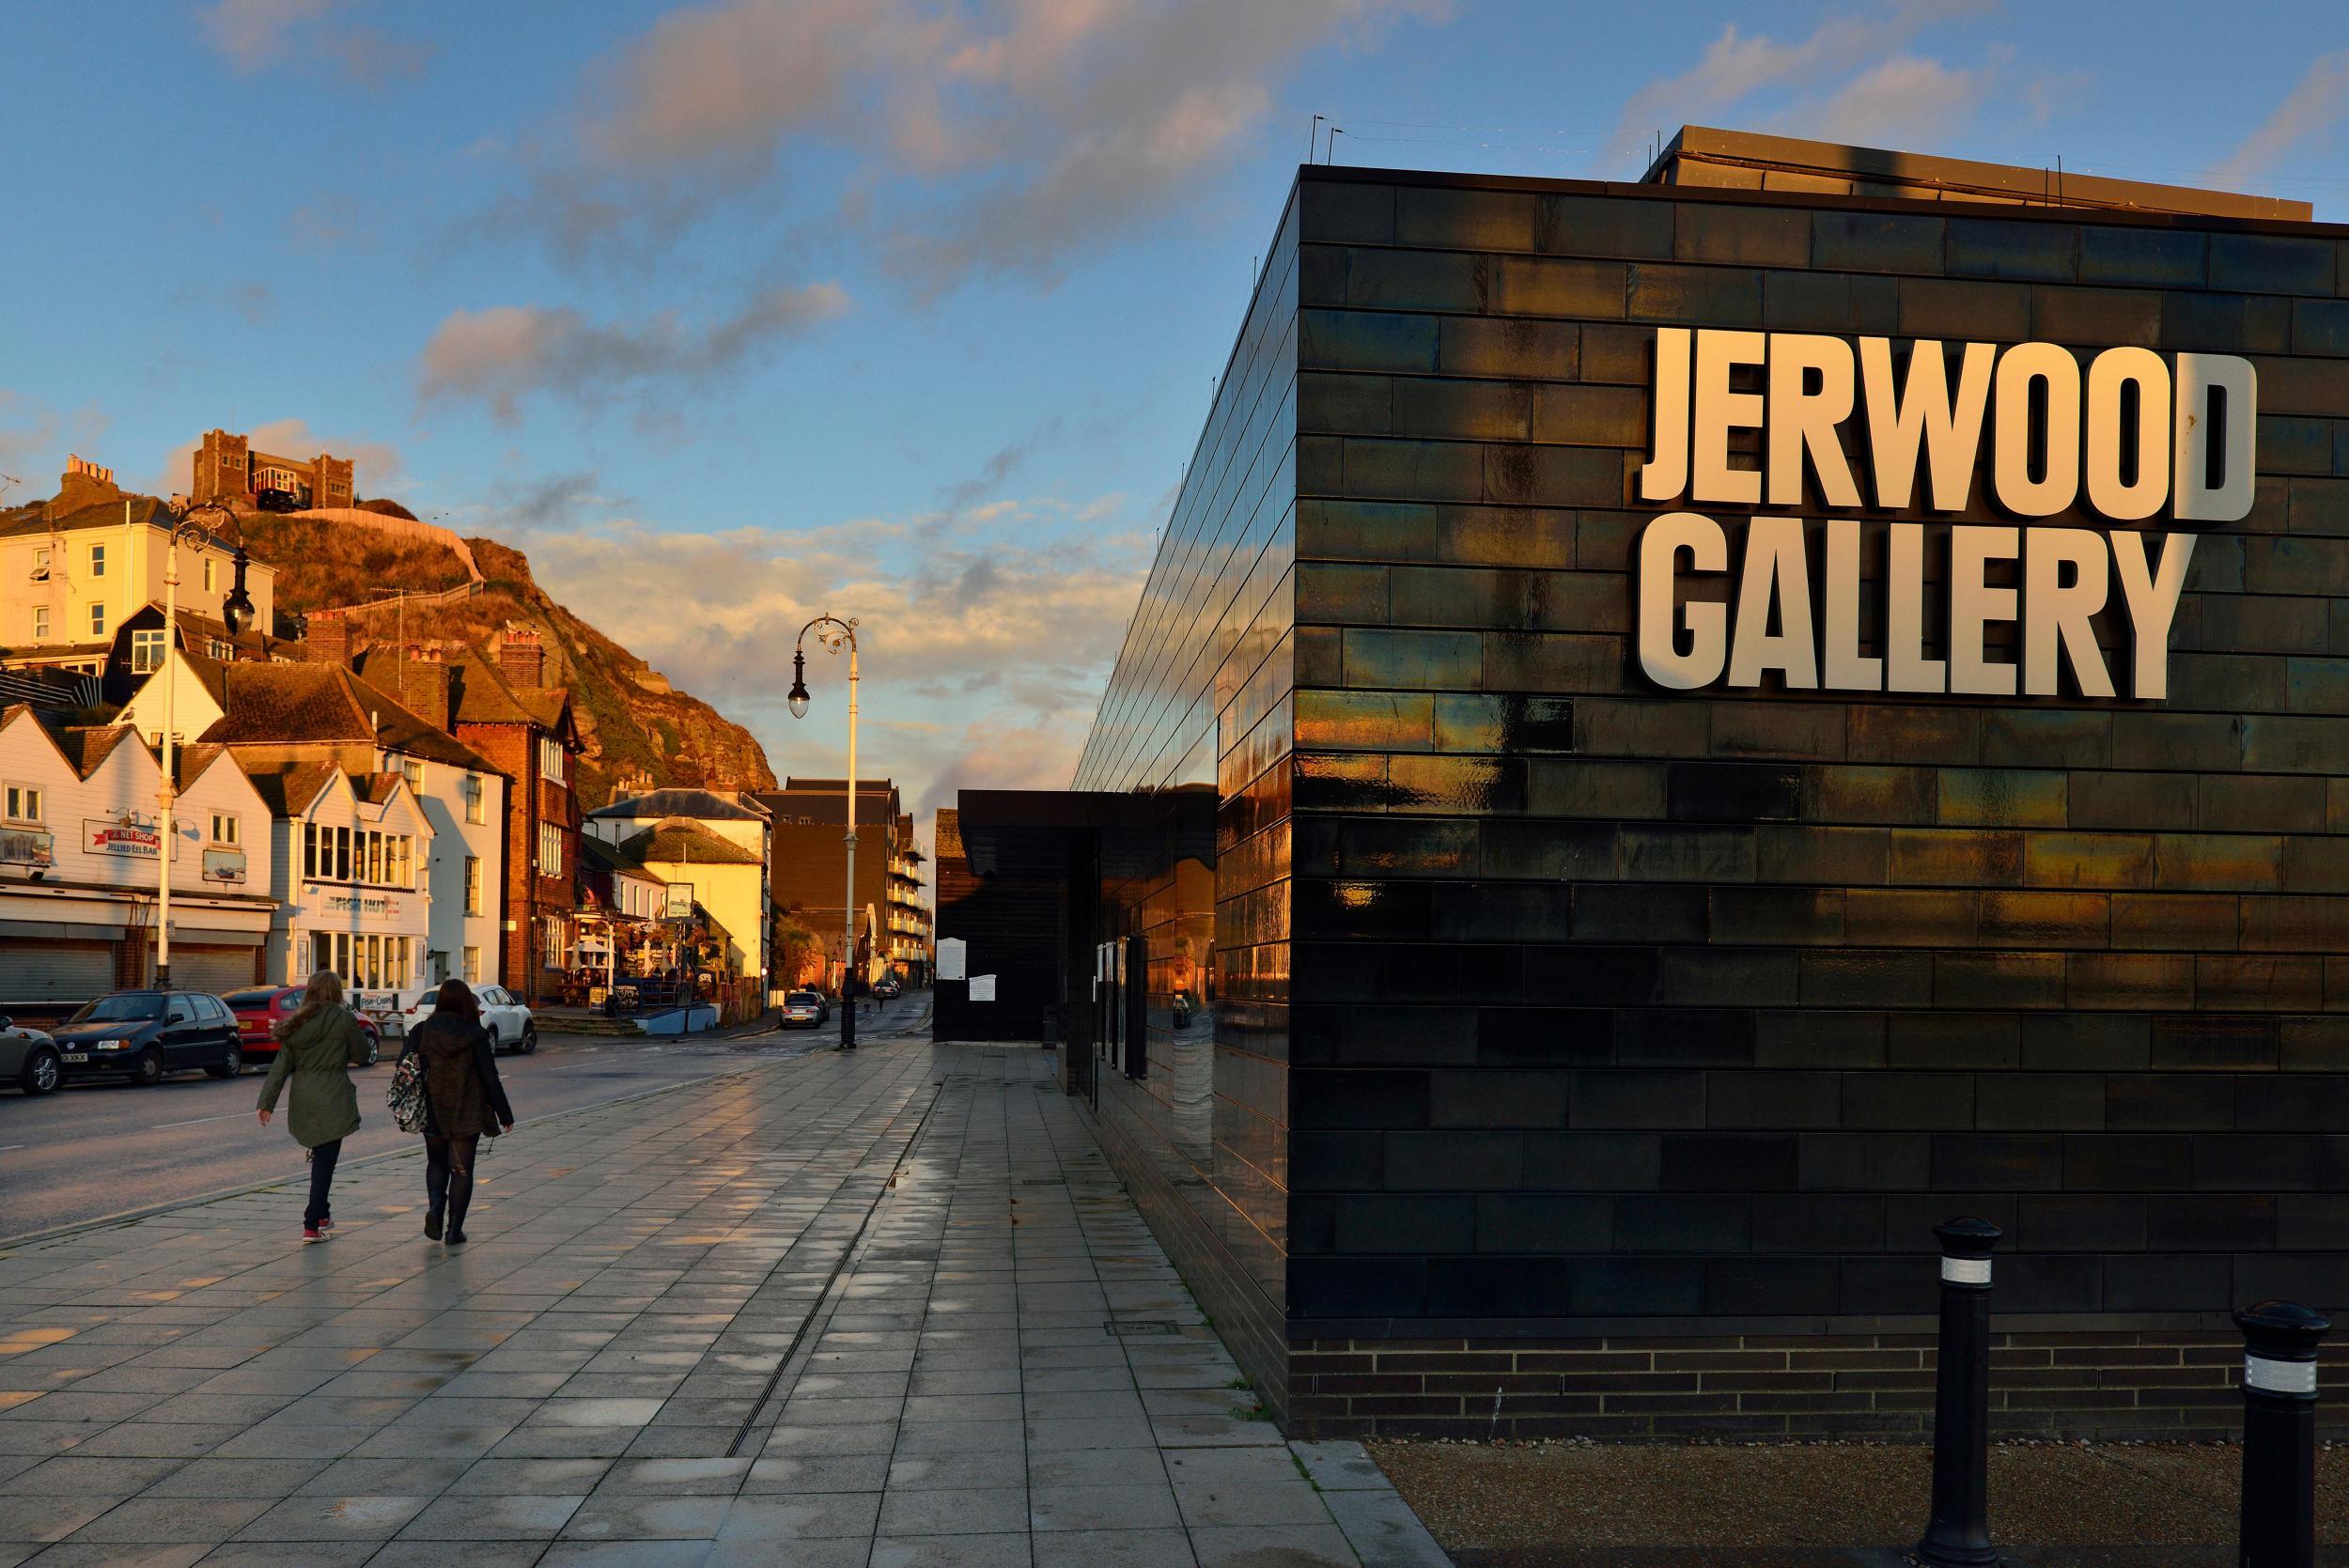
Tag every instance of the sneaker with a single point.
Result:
(312, 1233)
(327, 1223)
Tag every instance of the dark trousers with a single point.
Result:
(448, 1176)
(322, 1161)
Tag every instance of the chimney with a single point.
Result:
(522, 658)
(424, 683)
(329, 639)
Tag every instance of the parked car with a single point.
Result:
(503, 1013)
(29, 1059)
(804, 1008)
(888, 988)
(142, 1035)
(260, 1010)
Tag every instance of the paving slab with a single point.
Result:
(834, 1309)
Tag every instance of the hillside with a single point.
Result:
(629, 717)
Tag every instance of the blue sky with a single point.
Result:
(906, 309)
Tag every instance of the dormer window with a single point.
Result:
(146, 650)
(550, 759)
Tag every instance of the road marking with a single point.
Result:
(194, 1120)
(5, 1148)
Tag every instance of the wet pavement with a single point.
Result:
(890, 1308)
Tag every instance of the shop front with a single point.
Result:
(1745, 714)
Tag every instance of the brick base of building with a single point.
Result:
(2173, 1386)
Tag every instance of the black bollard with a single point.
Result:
(2280, 1434)
(1958, 1535)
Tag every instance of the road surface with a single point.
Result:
(94, 1149)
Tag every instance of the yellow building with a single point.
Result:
(76, 567)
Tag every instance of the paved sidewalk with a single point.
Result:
(835, 1310)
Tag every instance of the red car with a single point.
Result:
(260, 1010)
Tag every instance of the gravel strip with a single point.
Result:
(1476, 1495)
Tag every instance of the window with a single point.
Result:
(218, 647)
(41, 623)
(98, 620)
(41, 564)
(472, 975)
(310, 853)
(212, 581)
(412, 770)
(551, 758)
(97, 560)
(146, 650)
(550, 849)
(23, 802)
(224, 828)
(342, 855)
(551, 940)
(472, 887)
(476, 798)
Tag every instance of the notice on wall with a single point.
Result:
(982, 987)
(953, 954)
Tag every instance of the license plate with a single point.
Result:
(77, 1056)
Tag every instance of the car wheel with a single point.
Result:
(375, 1051)
(494, 1046)
(39, 1076)
(530, 1039)
(150, 1068)
(231, 1064)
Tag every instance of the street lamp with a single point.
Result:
(835, 634)
(236, 612)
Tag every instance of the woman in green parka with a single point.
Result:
(317, 1046)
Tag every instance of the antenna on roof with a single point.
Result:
(1312, 137)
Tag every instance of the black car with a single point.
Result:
(141, 1035)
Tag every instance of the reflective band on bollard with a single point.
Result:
(1958, 1534)
(2280, 1339)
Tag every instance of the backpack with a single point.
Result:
(406, 1096)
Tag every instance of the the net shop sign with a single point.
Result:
(2157, 445)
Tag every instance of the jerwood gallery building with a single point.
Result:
(1680, 733)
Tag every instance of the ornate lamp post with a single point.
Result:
(836, 633)
(236, 612)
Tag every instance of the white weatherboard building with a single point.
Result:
(79, 849)
(277, 717)
(349, 850)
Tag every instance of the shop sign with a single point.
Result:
(28, 846)
(223, 866)
(679, 904)
(2135, 438)
(129, 836)
(374, 904)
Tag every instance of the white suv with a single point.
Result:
(503, 1013)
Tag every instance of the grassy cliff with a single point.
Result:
(629, 717)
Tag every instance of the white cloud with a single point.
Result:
(253, 34)
(986, 139)
(1901, 101)
(2314, 106)
(1738, 67)
(505, 353)
(35, 440)
(984, 650)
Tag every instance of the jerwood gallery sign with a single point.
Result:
(2136, 438)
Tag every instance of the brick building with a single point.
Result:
(1659, 866)
(226, 468)
(809, 872)
(496, 702)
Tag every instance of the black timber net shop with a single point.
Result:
(1681, 732)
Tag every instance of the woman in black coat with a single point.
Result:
(464, 1102)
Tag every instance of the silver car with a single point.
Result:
(29, 1059)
